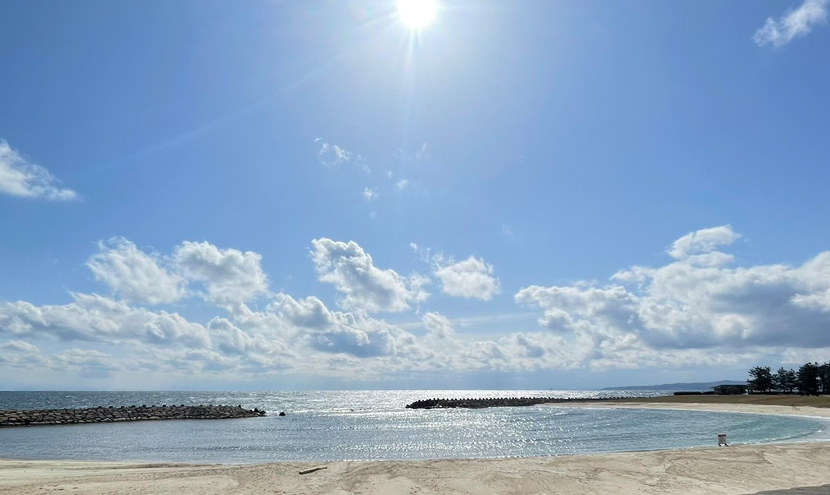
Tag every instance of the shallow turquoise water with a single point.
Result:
(374, 425)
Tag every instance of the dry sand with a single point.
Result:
(742, 469)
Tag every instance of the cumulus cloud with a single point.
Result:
(364, 287)
(368, 338)
(19, 177)
(309, 312)
(696, 309)
(470, 278)
(438, 326)
(87, 363)
(229, 275)
(336, 332)
(402, 184)
(94, 318)
(703, 241)
(136, 276)
(687, 305)
(794, 24)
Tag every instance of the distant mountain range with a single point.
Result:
(702, 386)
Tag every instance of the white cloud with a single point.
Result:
(308, 313)
(93, 318)
(687, 305)
(368, 338)
(795, 23)
(229, 275)
(471, 278)
(402, 184)
(365, 288)
(438, 326)
(20, 355)
(423, 153)
(335, 332)
(87, 363)
(19, 177)
(332, 156)
(695, 310)
(18, 346)
(703, 241)
(230, 340)
(416, 283)
(136, 276)
(370, 194)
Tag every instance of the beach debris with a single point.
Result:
(313, 470)
(722, 440)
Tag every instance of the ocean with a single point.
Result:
(375, 425)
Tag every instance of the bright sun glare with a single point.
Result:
(416, 13)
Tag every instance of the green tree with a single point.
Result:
(784, 380)
(824, 377)
(760, 378)
(808, 379)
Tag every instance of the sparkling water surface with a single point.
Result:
(375, 425)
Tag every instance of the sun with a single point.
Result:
(416, 13)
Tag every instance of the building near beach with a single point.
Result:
(730, 389)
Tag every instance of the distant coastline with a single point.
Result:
(669, 387)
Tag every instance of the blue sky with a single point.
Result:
(289, 195)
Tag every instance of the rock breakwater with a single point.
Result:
(496, 402)
(111, 414)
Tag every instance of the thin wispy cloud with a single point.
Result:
(794, 24)
(333, 156)
(22, 178)
(423, 153)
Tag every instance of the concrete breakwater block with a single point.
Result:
(39, 417)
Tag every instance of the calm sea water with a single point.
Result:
(375, 425)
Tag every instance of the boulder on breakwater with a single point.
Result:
(495, 402)
(112, 414)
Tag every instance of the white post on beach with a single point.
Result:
(722, 440)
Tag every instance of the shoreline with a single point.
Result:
(776, 410)
(745, 468)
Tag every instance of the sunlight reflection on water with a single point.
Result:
(373, 425)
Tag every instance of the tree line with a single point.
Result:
(810, 379)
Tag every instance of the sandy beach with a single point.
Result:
(733, 470)
(803, 411)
